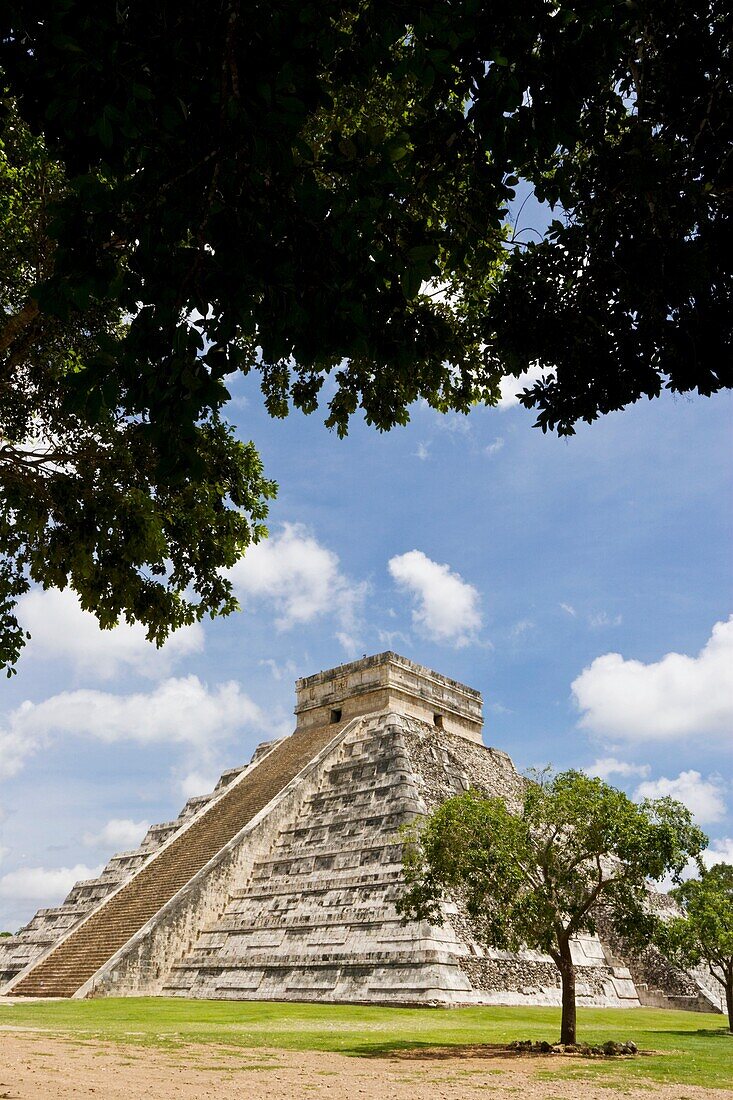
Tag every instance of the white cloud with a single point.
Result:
(607, 766)
(349, 642)
(602, 618)
(37, 884)
(511, 387)
(301, 578)
(393, 639)
(180, 711)
(676, 697)
(568, 609)
(448, 608)
(454, 422)
(720, 851)
(287, 671)
(704, 797)
(61, 630)
(119, 834)
(521, 628)
(422, 451)
(495, 447)
(196, 783)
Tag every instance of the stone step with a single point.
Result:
(361, 882)
(67, 967)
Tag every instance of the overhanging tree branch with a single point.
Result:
(18, 323)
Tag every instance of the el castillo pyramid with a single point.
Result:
(281, 883)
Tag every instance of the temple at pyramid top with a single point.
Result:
(384, 682)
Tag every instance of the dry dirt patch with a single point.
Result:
(36, 1067)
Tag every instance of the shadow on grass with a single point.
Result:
(484, 1051)
(701, 1033)
(411, 1049)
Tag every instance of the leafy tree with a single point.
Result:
(307, 189)
(704, 934)
(537, 877)
(86, 499)
(295, 171)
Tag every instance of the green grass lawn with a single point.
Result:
(691, 1048)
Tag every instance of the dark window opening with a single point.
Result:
(438, 721)
(335, 716)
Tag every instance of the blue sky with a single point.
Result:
(512, 561)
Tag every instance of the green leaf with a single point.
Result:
(410, 281)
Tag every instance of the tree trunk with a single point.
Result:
(567, 974)
(729, 999)
(16, 324)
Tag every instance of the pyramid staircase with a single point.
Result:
(76, 958)
(316, 917)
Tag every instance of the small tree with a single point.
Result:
(537, 877)
(704, 934)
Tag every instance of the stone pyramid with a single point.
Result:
(281, 884)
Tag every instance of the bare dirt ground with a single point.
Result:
(36, 1067)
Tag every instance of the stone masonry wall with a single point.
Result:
(316, 918)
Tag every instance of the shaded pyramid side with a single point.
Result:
(315, 916)
(49, 924)
(74, 959)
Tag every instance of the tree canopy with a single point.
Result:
(322, 189)
(86, 500)
(703, 934)
(537, 877)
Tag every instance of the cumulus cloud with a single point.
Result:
(43, 886)
(61, 630)
(302, 579)
(120, 834)
(676, 697)
(448, 608)
(607, 766)
(180, 711)
(704, 797)
(511, 387)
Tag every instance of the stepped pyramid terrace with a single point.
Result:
(281, 883)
